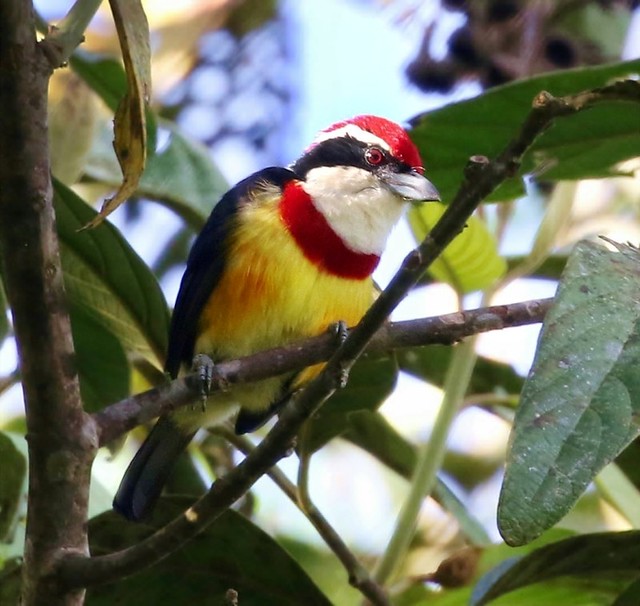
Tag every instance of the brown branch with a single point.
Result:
(481, 178)
(123, 416)
(61, 438)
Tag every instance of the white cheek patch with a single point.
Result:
(359, 209)
(353, 131)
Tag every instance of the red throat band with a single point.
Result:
(319, 243)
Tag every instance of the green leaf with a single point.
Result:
(181, 174)
(616, 488)
(12, 483)
(579, 408)
(595, 591)
(371, 432)
(471, 262)
(104, 74)
(581, 146)
(550, 269)
(105, 277)
(613, 555)
(628, 462)
(10, 581)
(325, 570)
(598, 590)
(103, 367)
(370, 382)
(231, 553)
(630, 596)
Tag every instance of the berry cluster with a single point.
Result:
(504, 40)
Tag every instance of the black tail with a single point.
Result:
(149, 469)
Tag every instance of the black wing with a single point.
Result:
(206, 263)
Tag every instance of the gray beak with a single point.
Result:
(411, 186)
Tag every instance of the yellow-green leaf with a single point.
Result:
(471, 262)
(72, 124)
(130, 132)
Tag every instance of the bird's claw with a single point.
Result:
(203, 365)
(341, 332)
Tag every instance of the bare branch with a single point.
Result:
(68, 34)
(123, 416)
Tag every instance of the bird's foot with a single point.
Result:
(205, 368)
(340, 331)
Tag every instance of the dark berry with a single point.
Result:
(494, 76)
(462, 48)
(454, 5)
(560, 52)
(502, 10)
(431, 77)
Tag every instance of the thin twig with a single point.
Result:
(358, 575)
(68, 34)
(304, 467)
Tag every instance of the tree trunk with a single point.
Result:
(60, 436)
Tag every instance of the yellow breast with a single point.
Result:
(270, 294)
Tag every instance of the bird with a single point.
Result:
(285, 254)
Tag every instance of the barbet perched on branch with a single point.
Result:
(284, 254)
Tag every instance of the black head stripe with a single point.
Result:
(343, 151)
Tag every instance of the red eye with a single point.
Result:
(374, 156)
